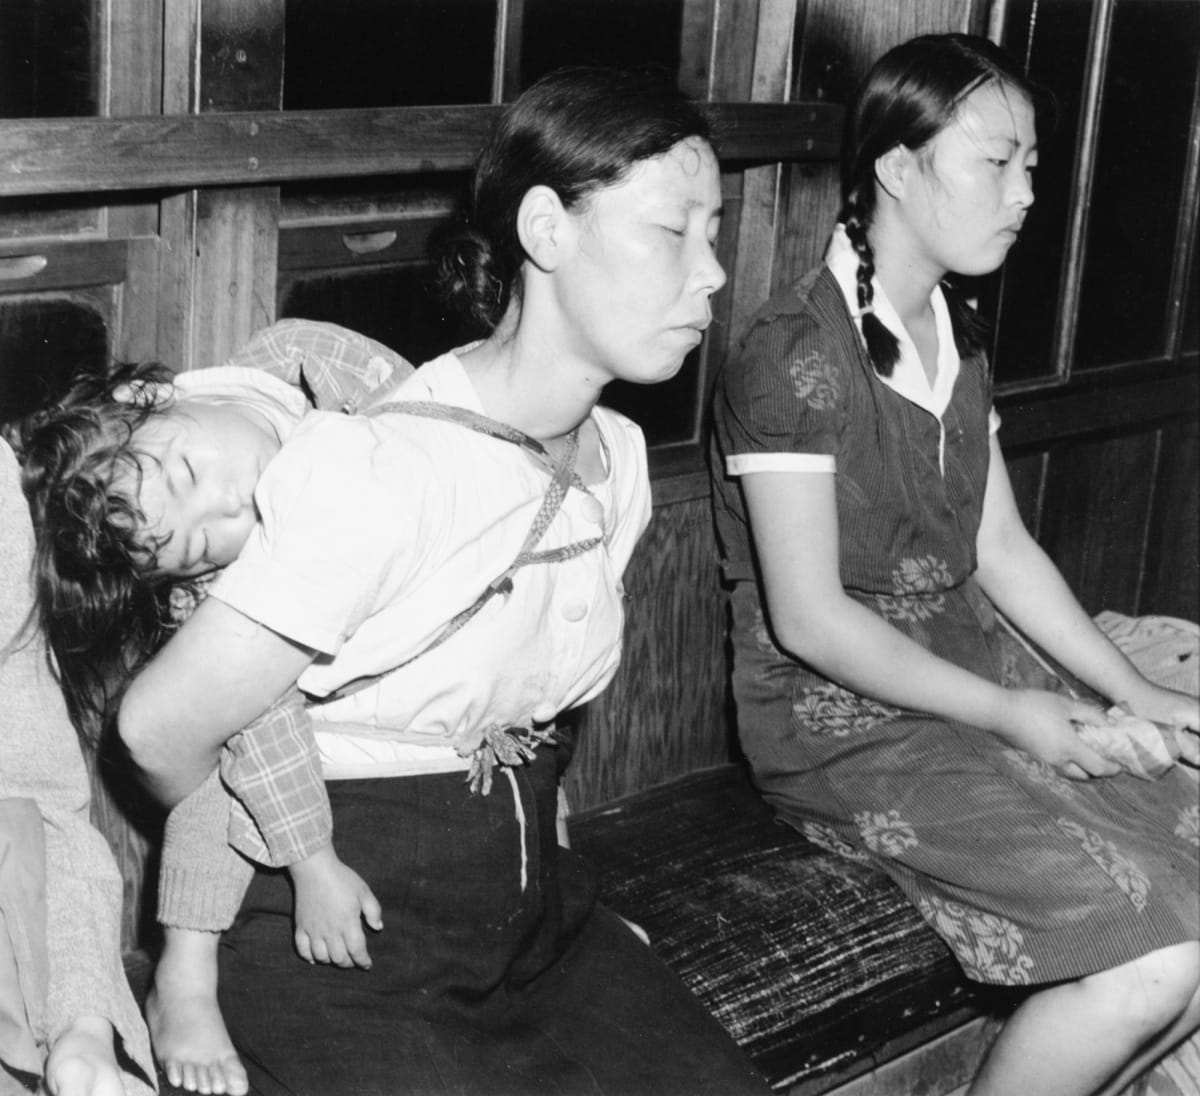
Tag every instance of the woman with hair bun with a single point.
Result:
(441, 576)
(869, 535)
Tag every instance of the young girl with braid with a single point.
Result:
(872, 542)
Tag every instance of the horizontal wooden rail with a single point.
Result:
(77, 155)
(1102, 406)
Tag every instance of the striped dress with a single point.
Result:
(1029, 877)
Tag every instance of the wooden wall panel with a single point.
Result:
(1028, 477)
(696, 47)
(750, 280)
(664, 714)
(1171, 583)
(237, 249)
(1096, 515)
(219, 257)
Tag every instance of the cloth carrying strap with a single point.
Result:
(562, 477)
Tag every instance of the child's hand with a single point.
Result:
(83, 1062)
(1040, 723)
(332, 901)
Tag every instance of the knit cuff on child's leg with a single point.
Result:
(202, 881)
(207, 898)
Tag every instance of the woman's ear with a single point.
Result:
(541, 224)
(891, 169)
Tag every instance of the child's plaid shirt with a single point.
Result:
(281, 809)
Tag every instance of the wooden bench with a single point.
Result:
(816, 964)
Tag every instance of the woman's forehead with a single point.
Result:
(694, 155)
(685, 172)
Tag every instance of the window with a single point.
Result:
(626, 33)
(49, 59)
(44, 342)
(1137, 189)
(387, 53)
(1092, 280)
(1024, 296)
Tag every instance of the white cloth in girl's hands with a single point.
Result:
(1141, 747)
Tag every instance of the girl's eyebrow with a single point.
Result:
(1011, 142)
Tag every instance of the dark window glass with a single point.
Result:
(1138, 183)
(387, 53)
(394, 305)
(44, 341)
(1025, 294)
(625, 33)
(666, 412)
(52, 215)
(48, 58)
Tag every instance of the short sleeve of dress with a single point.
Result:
(780, 404)
(338, 516)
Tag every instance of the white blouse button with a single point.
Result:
(592, 510)
(575, 610)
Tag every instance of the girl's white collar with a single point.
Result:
(908, 379)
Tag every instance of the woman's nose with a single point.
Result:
(711, 274)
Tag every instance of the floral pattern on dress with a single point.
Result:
(1038, 771)
(885, 832)
(916, 589)
(1188, 826)
(815, 381)
(1123, 871)
(989, 947)
(829, 709)
(827, 838)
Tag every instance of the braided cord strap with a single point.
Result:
(481, 424)
(562, 477)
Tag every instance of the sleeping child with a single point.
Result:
(131, 490)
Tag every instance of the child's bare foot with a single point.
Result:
(187, 1030)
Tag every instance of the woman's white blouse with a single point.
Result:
(377, 529)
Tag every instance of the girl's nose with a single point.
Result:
(1023, 191)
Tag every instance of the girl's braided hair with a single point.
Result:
(102, 610)
(910, 95)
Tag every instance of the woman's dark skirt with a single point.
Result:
(496, 971)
